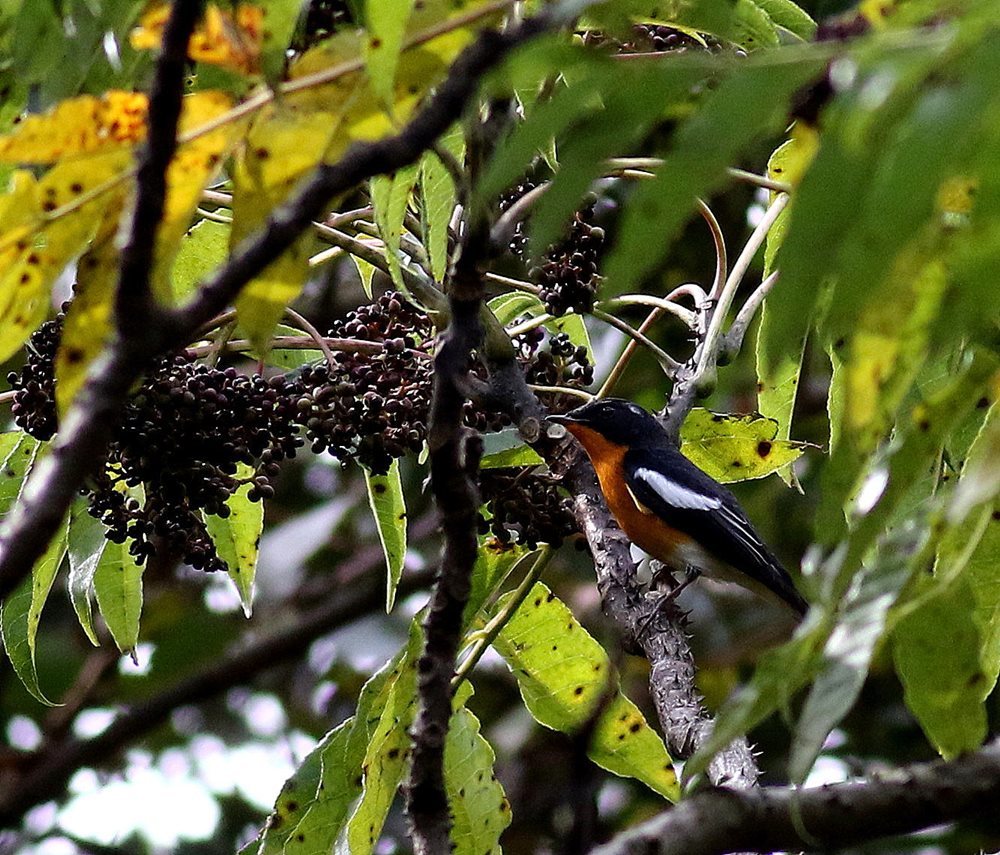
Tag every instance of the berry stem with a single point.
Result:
(667, 362)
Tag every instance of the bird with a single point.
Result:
(669, 507)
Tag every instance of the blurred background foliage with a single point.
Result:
(888, 260)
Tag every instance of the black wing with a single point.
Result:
(687, 499)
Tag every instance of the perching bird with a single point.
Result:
(668, 506)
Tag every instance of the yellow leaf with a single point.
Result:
(87, 326)
(82, 125)
(794, 156)
(956, 195)
(735, 448)
(25, 284)
(192, 168)
(224, 38)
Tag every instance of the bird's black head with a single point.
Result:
(618, 421)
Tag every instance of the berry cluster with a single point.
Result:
(192, 434)
(567, 274)
(525, 507)
(371, 407)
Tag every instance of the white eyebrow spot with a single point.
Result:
(677, 495)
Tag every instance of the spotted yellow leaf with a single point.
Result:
(83, 125)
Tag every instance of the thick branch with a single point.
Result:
(87, 430)
(824, 818)
(454, 457)
(55, 764)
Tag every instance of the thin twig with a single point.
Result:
(667, 362)
(759, 180)
(483, 638)
(719, 241)
(306, 326)
(733, 340)
(630, 348)
(516, 284)
(582, 394)
(528, 325)
(664, 305)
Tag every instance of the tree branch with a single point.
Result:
(455, 452)
(88, 428)
(823, 818)
(54, 764)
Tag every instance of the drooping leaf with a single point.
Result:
(390, 198)
(860, 622)
(385, 22)
(563, 672)
(237, 536)
(85, 547)
(118, 588)
(736, 448)
(479, 808)
(936, 649)
(388, 504)
(438, 194)
(21, 613)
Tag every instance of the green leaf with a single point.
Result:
(505, 448)
(18, 451)
(631, 101)
(438, 196)
(860, 621)
(731, 118)
(87, 541)
(22, 611)
(494, 562)
(388, 504)
(936, 649)
(204, 248)
(237, 537)
(385, 21)
(789, 16)
(367, 272)
(298, 795)
(563, 673)
(390, 197)
(735, 448)
(118, 588)
(280, 19)
(479, 808)
(508, 307)
(753, 27)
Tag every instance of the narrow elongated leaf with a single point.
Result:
(118, 588)
(388, 504)
(741, 109)
(563, 672)
(21, 613)
(479, 808)
(438, 193)
(936, 649)
(385, 21)
(390, 197)
(848, 651)
(505, 448)
(237, 537)
(86, 546)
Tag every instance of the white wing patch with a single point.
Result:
(677, 495)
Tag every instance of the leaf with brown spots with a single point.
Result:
(83, 125)
(479, 808)
(237, 537)
(561, 685)
(388, 504)
(734, 447)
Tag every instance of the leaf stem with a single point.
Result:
(667, 362)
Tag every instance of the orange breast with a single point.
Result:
(643, 527)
